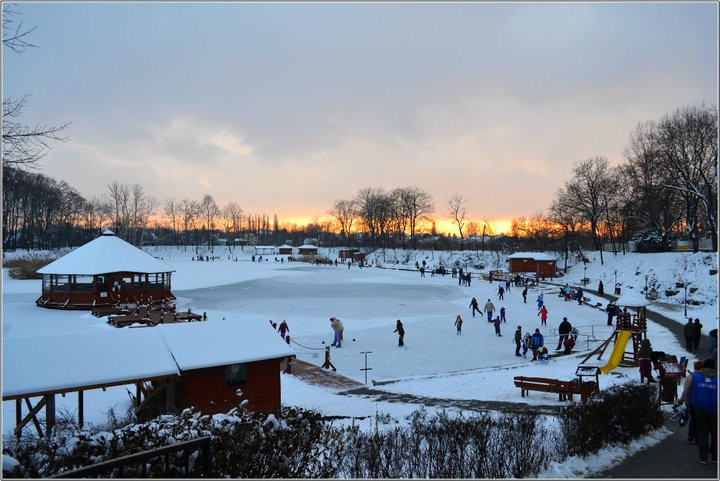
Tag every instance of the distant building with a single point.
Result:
(307, 250)
(285, 249)
(265, 250)
(543, 265)
(106, 270)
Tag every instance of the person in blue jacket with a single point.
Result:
(704, 401)
(536, 342)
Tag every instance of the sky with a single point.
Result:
(285, 108)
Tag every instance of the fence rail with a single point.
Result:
(201, 445)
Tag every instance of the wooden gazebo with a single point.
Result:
(104, 271)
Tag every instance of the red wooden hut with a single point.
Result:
(285, 249)
(347, 253)
(307, 250)
(217, 358)
(358, 256)
(539, 263)
(106, 270)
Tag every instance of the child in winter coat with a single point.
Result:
(497, 323)
(458, 324)
(502, 314)
(401, 333)
(526, 344)
(540, 301)
(543, 315)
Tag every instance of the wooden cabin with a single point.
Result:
(264, 250)
(539, 263)
(358, 256)
(219, 357)
(347, 253)
(106, 270)
(285, 250)
(307, 250)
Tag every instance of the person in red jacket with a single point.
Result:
(543, 315)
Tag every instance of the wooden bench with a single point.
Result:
(565, 389)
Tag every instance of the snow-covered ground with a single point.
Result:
(435, 362)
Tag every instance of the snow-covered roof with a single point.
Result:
(631, 299)
(307, 246)
(66, 361)
(108, 253)
(285, 246)
(264, 247)
(538, 256)
(69, 361)
(196, 345)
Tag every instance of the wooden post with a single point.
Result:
(170, 395)
(81, 412)
(328, 364)
(138, 394)
(18, 412)
(49, 413)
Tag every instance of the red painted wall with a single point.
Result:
(546, 269)
(207, 391)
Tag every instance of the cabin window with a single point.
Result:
(166, 280)
(153, 281)
(82, 283)
(46, 282)
(61, 283)
(235, 375)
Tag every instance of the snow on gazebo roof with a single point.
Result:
(631, 299)
(538, 256)
(285, 246)
(63, 362)
(108, 253)
(197, 345)
(307, 246)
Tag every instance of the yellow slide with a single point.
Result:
(617, 352)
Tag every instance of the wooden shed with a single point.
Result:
(307, 250)
(539, 263)
(106, 270)
(358, 256)
(265, 250)
(219, 357)
(347, 253)
(285, 249)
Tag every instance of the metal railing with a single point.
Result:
(201, 445)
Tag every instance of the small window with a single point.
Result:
(235, 375)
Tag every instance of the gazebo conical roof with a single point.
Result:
(108, 253)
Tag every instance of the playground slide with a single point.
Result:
(617, 352)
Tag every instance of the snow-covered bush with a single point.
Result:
(616, 415)
(651, 241)
(26, 267)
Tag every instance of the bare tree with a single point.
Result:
(23, 145)
(417, 205)
(172, 212)
(210, 212)
(345, 211)
(233, 219)
(456, 204)
(189, 211)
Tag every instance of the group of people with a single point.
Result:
(568, 294)
(692, 332)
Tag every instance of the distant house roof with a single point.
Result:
(307, 246)
(285, 246)
(197, 345)
(110, 356)
(108, 253)
(538, 256)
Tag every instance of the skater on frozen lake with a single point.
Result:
(502, 314)
(475, 307)
(524, 294)
(337, 328)
(497, 323)
(283, 329)
(458, 323)
(543, 315)
(401, 333)
(518, 341)
(540, 301)
(501, 292)
(489, 308)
